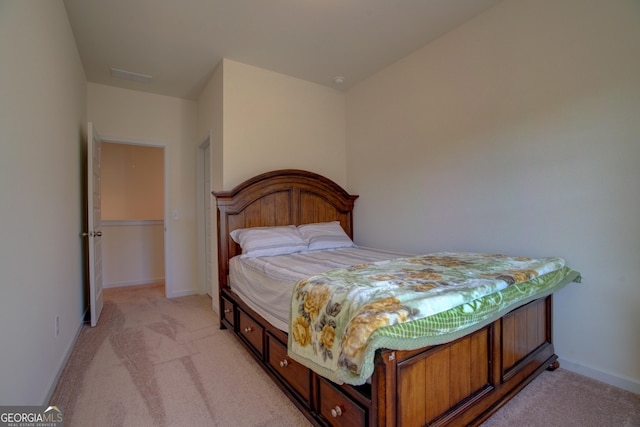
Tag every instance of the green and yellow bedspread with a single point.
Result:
(340, 318)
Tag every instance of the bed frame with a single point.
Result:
(458, 383)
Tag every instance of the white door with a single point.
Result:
(95, 228)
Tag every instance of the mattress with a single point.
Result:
(265, 283)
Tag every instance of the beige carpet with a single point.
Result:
(158, 362)
(153, 361)
(565, 399)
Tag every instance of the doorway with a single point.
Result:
(134, 200)
(205, 219)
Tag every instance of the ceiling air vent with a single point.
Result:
(136, 77)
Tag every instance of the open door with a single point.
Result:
(94, 233)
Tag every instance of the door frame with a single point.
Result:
(202, 220)
(168, 282)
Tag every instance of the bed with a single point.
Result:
(456, 379)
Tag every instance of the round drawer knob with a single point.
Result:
(336, 412)
(284, 363)
(248, 329)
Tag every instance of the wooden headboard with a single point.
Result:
(282, 197)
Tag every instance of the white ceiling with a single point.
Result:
(180, 42)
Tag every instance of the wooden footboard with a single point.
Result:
(459, 383)
(465, 381)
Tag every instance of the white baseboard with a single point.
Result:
(184, 293)
(56, 378)
(216, 308)
(133, 283)
(605, 377)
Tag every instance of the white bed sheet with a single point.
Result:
(265, 283)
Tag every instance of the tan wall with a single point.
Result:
(518, 132)
(132, 182)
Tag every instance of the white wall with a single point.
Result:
(210, 119)
(42, 117)
(262, 121)
(210, 122)
(132, 253)
(128, 115)
(273, 121)
(518, 132)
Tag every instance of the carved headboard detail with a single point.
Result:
(282, 197)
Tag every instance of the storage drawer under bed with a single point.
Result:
(337, 408)
(251, 331)
(296, 375)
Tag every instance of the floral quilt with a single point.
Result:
(335, 314)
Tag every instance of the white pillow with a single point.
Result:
(269, 241)
(325, 235)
